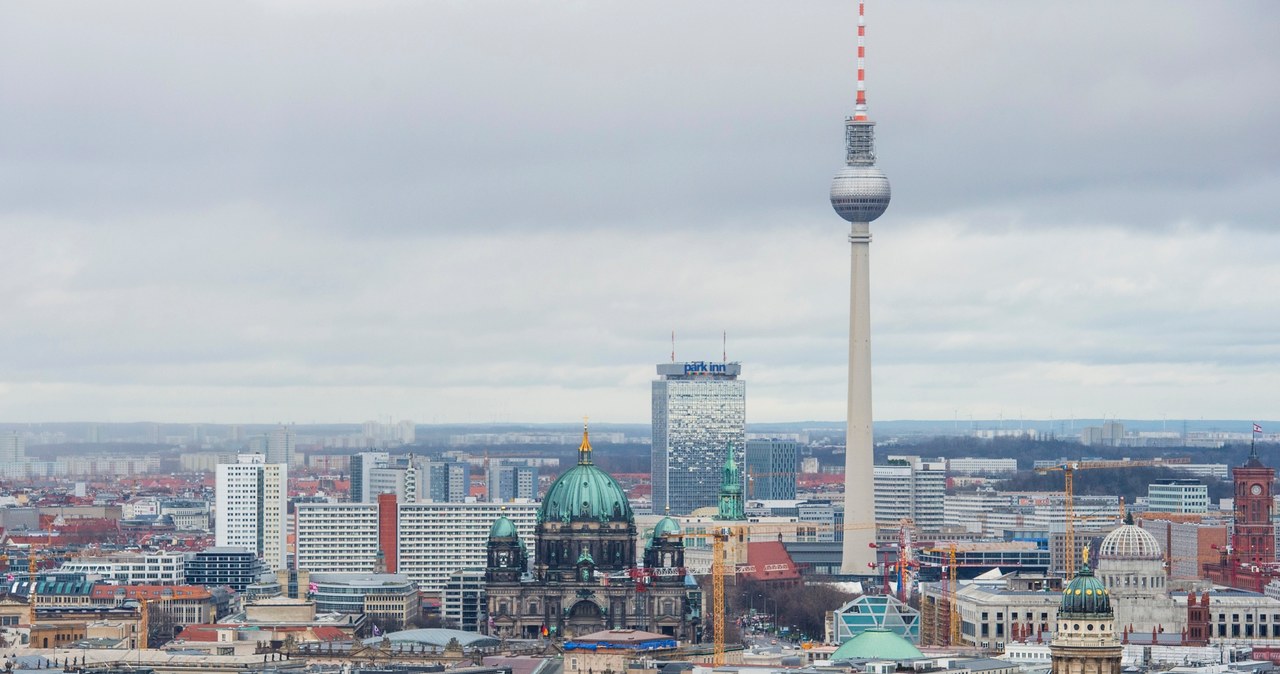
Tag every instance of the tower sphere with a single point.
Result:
(860, 193)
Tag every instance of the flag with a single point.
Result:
(376, 632)
(1257, 428)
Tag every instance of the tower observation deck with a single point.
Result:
(859, 193)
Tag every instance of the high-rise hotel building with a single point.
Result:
(699, 411)
(252, 498)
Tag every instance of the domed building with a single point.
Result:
(1085, 639)
(583, 577)
(1131, 567)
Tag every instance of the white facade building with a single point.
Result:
(914, 488)
(252, 507)
(981, 465)
(152, 568)
(337, 537)
(1178, 496)
(436, 539)
(978, 512)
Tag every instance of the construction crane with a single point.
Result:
(1068, 473)
(720, 570)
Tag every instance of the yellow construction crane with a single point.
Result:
(720, 536)
(1068, 472)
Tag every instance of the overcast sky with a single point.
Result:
(479, 211)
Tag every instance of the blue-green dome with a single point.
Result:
(877, 643)
(664, 527)
(502, 528)
(1086, 596)
(585, 492)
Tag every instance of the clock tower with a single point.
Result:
(1254, 540)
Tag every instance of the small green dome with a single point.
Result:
(877, 643)
(664, 527)
(1086, 596)
(502, 528)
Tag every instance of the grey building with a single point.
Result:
(234, 567)
(508, 482)
(362, 466)
(444, 481)
(699, 411)
(771, 469)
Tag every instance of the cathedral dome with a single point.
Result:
(502, 528)
(1085, 596)
(585, 492)
(1130, 542)
(664, 527)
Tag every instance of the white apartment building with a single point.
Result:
(911, 487)
(152, 568)
(436, 539)
(981, 465)
(978, 512)
(1178, 496)
(252, 507)
(337, 537)
(1216, 470)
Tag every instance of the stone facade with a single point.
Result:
(583, 577)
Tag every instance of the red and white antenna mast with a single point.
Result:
(860, 105)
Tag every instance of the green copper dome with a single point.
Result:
(1085, 596)
(877, 643)
(585, 492)
(502, 528)
(664, 527)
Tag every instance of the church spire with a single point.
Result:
(584, 450)
(731, 506)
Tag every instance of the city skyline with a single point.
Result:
(268, 224)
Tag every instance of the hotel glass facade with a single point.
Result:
(699, 409)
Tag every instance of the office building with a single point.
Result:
(12, 447)
(236, 568)
(362, 466)
(252, 507)
(436, 539)
(509, 481)
(699, 412)
(125, 568)
(981, 466)
(1178, 496)
(337, 537)
(389, 599)
(909, 487)
(280, 446)
(771, 469)
(443, 481)
(463, 602)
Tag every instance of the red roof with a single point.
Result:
(198, 633)
(769, 560)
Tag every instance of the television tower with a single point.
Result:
(860, 194)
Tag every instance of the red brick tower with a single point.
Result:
(1254, 540)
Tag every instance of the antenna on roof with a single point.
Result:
(724, 346)
(860, 104)
(673, 346)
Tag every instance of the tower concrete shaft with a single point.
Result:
(859, 193)
(859, 503)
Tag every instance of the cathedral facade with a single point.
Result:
(583, 575)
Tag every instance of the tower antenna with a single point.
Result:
(724, 346)
(860, 104)
(673, 346)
